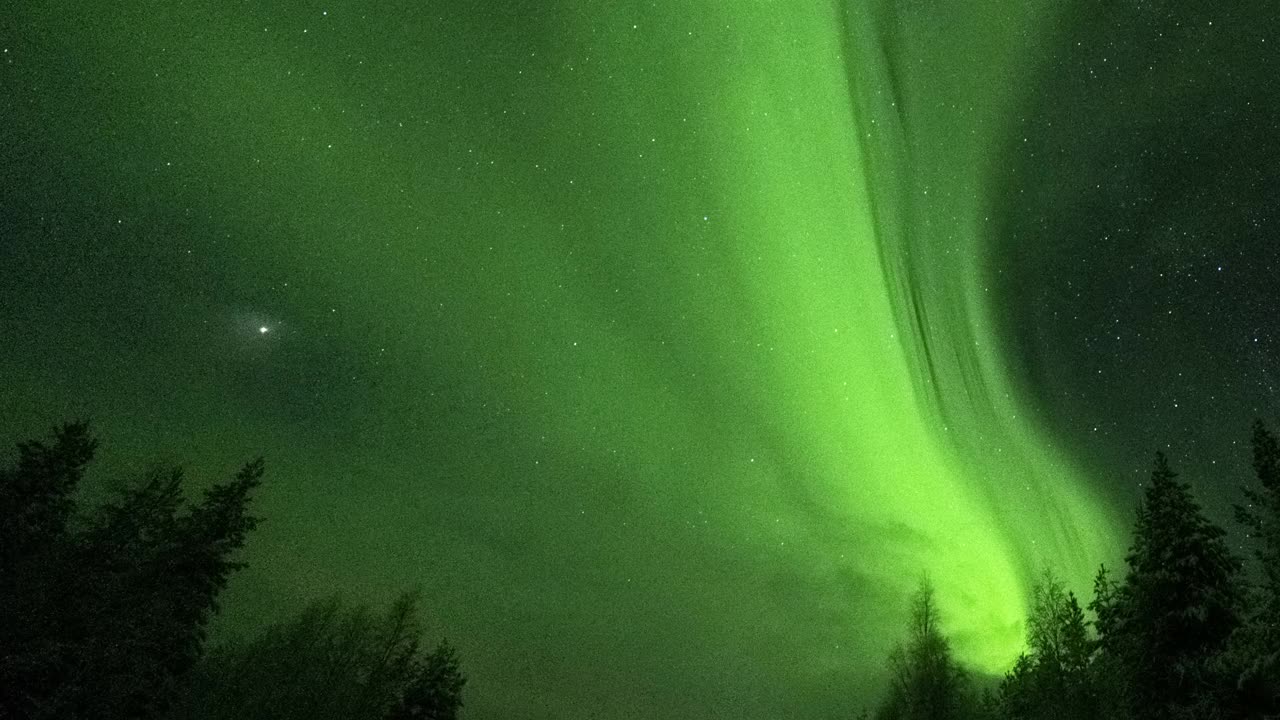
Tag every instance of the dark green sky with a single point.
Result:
(664, 345)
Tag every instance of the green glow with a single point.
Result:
(934, 96)
(663, 317)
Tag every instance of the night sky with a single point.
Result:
(664, 345)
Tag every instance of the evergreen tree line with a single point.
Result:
(1184, 634)
(104, 611)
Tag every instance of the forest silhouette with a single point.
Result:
(106, 609)
(1184, 633)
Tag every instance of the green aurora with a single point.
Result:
(655, 341)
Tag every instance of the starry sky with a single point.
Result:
(663, 345)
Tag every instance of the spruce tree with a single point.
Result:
(1260, 515)
(1165, 623)
(1107, 675)
(1255, 648)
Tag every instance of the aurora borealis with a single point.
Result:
(664, 345)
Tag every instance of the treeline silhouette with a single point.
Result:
(103, 611)
(1184, 634)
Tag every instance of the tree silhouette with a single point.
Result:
(434, 691)
(331, 661)
(1260, 515)
(925, 680)
(104, 611)
(37, 495)
(1166, 622)
(1051, 680)
(1255, 648)
(1183, 635)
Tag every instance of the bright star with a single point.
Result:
(264, 330)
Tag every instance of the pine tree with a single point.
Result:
(1255, 648)
(1018, 697)
(36, 496)
(1106, 674)
(1105, 605)
(1260, 515)
(104, 611)
(36, 502)
(1165, 623)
